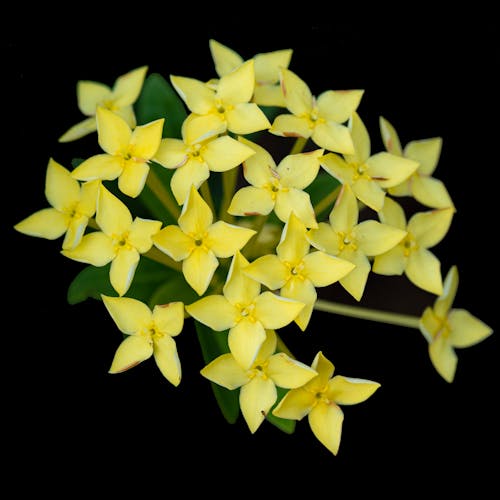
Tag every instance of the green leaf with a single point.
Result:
(284, 424)
(175, 289)
(213, 344)
(158, 99)
(320, 188)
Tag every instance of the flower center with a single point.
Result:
(347, 241)
(295, 271)
(409, 244)
(246, 312)
(121, 242)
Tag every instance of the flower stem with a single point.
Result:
(257, 226)
(298, 146)
(327, 201)
(158, 256)
(229, 179)
(155, 184)
(369, 314)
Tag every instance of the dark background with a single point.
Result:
(70, 420)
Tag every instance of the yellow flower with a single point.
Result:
(267, 65)
(223, 106)
(127, 152)
(346, 238)
(198, 242)
(412, 255)
(245, 311)
(258, 383)
(319, 119)
(296, 271)
(119, 99)
(421, 185)
(277, 187)
(368, 175)
(194, 159)
(72, 207)
(120, 241)
(446, 328)
(320, 398)
(149, 333)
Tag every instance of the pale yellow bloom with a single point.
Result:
(149, 333)
(446, 329)
(72, 206)
(118, 99)
(320, 399)
(258, 383)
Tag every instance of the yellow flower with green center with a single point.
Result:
(278, 188)
(368, 175)
(319, 119)
(127, 152)
(72, 206)
(446, 329)
(120, 241)
(426, 189)
(296, 271)
(258, 383)
(412, 255)
(320, 398)
(355, 242)
(198, 242)
(149, 333)
(194, 159)
(118, 99)
(223, 106)
(267, 90)
(245, 312)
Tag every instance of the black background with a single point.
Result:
(73, 422)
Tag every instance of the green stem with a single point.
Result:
(154, 183)
(159, 256)
(229, 179)
(327, 201)
(207, 196)
(298, 146)
(259, 222)
(369, 314)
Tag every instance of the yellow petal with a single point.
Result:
(133, 178)
(172, 153)
(239, 288)
(430, 227)
(291, 126)
(225, 371)
(297, 201)
(269, 95)
(324, 238)
(132, 351)
(130, 315)
(360, 140)
(326, 424)
(298, 97)
(246, 118)
(88, 197)
(74, 233)
(127, 113)
(323, 269)
(197, 96)
(251, 200)
(169, 318)
(344, 215)
(268, 347)
(203, 127)
(47, 223)
(225, 153)
(375, 238)
(174, 242)
(268, 270)
(113, 132)
(355, 281)
(466, 329)
(295, 405)
(336, 166)
(403, 189)
(167, 359)
(102, 166)
(293, 245)
(333, 137)
(287, 372)
(338, 106)
(370, 193)
(225, 59)
(237, 86)
(390, 137)
(196, 215)
(430, 324)
(123, 269)
(215, 311)
(391, 263)
(141, 233)
(430, 192)
(350, 391)
(95, 248)
(256, 399)
(226, 239)
(299, 170)
(245, 339)
(392, 213)
(301, 290)
(198, 269)
(390, 170)
(325, 370)
(192, 173)
(61, 190)
(90, 94)
(146, 139)
(443, 357)
(426, 152)
(443, 304)
(127, 87)
(424, 270)
(267, 65)
(79, 130)
(258, 167)
(274, 311)
(113, 216)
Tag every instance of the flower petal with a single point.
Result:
(198, 269)
(246, 118)
(123, 269)
(203, 127)
(293, 245)
(132, 351)
(333, 137)
(258, 168)
(423, 269)
(268, 347)
(88, 197)
(297, 201)
(299, 170)
(375, 238)
(430, 192)
(47, 223)
(390, 137)
(196, 216)
(274, 311)
(192, 173)
(75, 231)
(225, 59)
(146, 139)
(338, 105)
(298, 97)
(370, 193)
(287, 372)
(225, 153)
(79, 130)
(429, 324)
(466, 329)
(286, 125)
(301, 290)
(268, 270)
(95, 248)
(295, 405)
(392, 213)
(174, 242)
(225, 371)
(360, 140)
(426, 152)
(172, 153)
(326, 424)
(430, 227)
(337, 167)
(267, 65)
(245, 339)
(325, 370)
(443, 357)
(239, 288)
(198, 97)
(90, 94)
(251, 200)
(141, 233)
(269, 95)
(350, 391)
(443, 304)
(127, 87)
(324, 238)
(226, 239)
(323, 269)
(133, 178)
(391, 263)
(256, 399)
(345, 212)
(102, 166)
(355, 281)
(390, 170)
(113, 132)
(169, 318)
(113, 216)
(61, 190)
(237, 86)
(167, 359)
(215, 311)
(130, 315)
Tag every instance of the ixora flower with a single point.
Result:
(258, 383)
(245, 312)
(118, 99)
(72, 205)
(127, 152)
(446, 328)
(120, 241)
(149, 333)
(320, 398)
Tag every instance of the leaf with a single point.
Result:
(174, 289)
(284, 424)
(213, 344)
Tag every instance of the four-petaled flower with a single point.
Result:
(446, 328)
(320, 398)
(149, 333)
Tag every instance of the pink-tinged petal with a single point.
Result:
(293, 245)
(193, 173)
(113, 132)
(430, 192)
(260, 167)
(268, 270)
(225, 371)
(198, 269)
(103, 166)
(369, 192)
(75, 231)
(131, 352)
(95, 248)
(392, 214)
(355, 281)
(130, 315)
(267, 65)
(274, 311)
(167, 359)
(226, 239)
(239, 288)
(113, 216)
(172, 153)
(88, 197)
(127, 87)
(196, 216)
(324, 238)
(333, 137)
(287, 372)
(390, 170)
(123, 269)
(286, 125)
(295, 405)
(345, 213)
(390, 137)
(443, 304)
(174, 242)
(391, 263)
(326, 421)
(146, 139)
(197, 96)
(299, 170)
(225, 59)
(301, 290)
(298, 97)
(245, 339)
(47, 223)
(237, 86)
(339, 105)
(90, 94)
(443, 357)
(256, 399)
(141, 233)
(269, 95)
(246, 118)
(426, 152)
(466, 329)
(298, 201)
(225, 153)
(323, 269)
(268, 348)
(336, 166)
(350, 391)
(430, 324)
(169, 318)
(423, 269)
(360, 140)
(375, 238)
(79, 130)
(215, 311)
(430, 227)
(133, 178)
(61, 190)
(251, 200)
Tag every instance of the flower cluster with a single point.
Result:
(189, 200)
